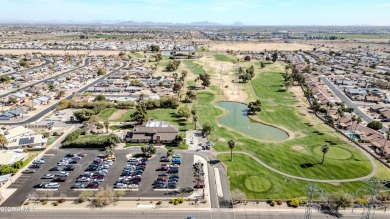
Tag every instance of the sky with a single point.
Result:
(249, 12)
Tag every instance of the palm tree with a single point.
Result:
(3, 141)
(324, 149)
(175, 75)
(330, 106)
(358, 121)
(195, 119)
(106, 125)
(340, 112)
(231, 145)
(387, 137)
(61, 93)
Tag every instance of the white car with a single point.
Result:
(48, 176)
(62, 163)
(120, 186)
(52, 185)
(177, 156)
(83, 179)
(63, 173)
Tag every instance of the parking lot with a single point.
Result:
(25, 183)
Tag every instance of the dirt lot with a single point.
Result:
(58, 52)
(223, 46)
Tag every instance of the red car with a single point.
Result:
(93, 185)
(59, 179)
(160, 178)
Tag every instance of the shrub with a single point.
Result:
(56, 134)
(55, 203)
(176, 202)
(363, 201)
(279, 202)
(272, 203)
(44, 202)
(26, 203)
(159, 202)
(61, 200)
(180, 200)
(172, 201)
(293, 203)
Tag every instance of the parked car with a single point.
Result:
(35, 166)
(59, 179)
(29, 171)
(52, 185)
(78, 186)
(163, 174)
(158, 186)
(177, 156)
(47, 176)
(83, 179)
(73, 162)
(165, 159)
(40, 185)
(93, 185)
(69, 168)
(55, 169)
(63, 173)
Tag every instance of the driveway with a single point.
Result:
(193, 139)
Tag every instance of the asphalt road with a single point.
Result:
(47, 61)
(171, 214)
(348, 101)
(38, 82)
(44, 112)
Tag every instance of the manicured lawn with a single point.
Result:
(138, 55)
(105, 114)
(225, 58)
(383, 171)
(257, 182)
(191, 83)
(167, 115)
(51, 140)
(31, 156)
(87, 138)
(194, 67)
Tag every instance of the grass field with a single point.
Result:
(194, 67)
(51, 140)
(87, 138)
(167, 115)
(106, 113)
(225, 58)
(257, 182)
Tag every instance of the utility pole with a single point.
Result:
(311, 190)
(373, 188)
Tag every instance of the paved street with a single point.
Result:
(47, 61)
(348, 101)
(174, 214)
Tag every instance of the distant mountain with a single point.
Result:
(238, 24)
(149, 23)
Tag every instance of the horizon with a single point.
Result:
(257, 13)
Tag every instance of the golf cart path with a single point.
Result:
(372, 174)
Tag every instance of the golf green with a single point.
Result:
(257, 184)
(334, 153)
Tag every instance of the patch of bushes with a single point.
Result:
(176, 201)
(159, 202)
(26, 203)
(100, 142)
(293, 203)
(55, 203)
(73, 135)
(61, 200)
(44, 202)
(279, 202)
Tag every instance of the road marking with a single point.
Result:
(218, 182)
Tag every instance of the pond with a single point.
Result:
(237, 119)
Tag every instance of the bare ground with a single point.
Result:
(117, 115)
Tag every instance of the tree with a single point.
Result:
(7, 169)
(84, 195)
(3, 141)
(247, 58)
(190, 96)
(262, 65)
(106, 125)
(173, 65)
(340, 112)
(335, 200)
(140, 115)
(104, 197)
(148, 150)
(358, 121)
(275, 56)
(52, 86)
(184, 74)
(61, 93)
(288, 84)
(155, 48)
(184, 111)
(119, 194)
(175, 75)
(205, 78)
(83, 114)
(195, 120)
(376, 125)
(254, 107)
(177, 86)
(100, 98)
(231, 145)
(324, 150)
(207, 128)
(101, 72)
(5, 79)
(12, 100)
(169, 152)
(109, 150)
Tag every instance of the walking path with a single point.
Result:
(374, 171)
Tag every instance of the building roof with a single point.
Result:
(17, 131)
(10, 157)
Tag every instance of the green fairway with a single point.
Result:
(278, 108)
(106, 113)
(334, 153)
(225, 58)
(383, 171)
(194, 67)
(257, 182)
